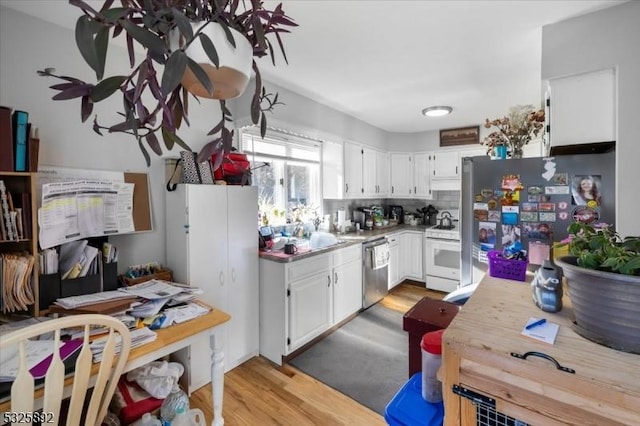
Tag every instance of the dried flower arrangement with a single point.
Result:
(522, 123)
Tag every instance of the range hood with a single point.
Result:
(585, 148)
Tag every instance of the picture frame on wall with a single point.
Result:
(460, 136)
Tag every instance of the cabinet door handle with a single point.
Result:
(233, 275)
(328, 280)
(545, 356)
(456, 169)
(335, 278)
(415, 189)
(221, 278)
(347, 188)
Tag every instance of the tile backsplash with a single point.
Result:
(443, 200)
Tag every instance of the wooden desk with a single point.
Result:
(169, 340)
(477, 347)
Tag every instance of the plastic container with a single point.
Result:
(193, 417)
(500, 267)
(431, 345)
(175, 401)
(407, 408)
(149, 419)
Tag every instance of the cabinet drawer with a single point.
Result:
(304, 268)
(347, 254)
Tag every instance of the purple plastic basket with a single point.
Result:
(510, 269)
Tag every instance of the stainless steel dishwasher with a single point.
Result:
(375, 272)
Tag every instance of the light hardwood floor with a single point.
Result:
(259, 392)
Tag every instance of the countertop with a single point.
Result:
(344, 240)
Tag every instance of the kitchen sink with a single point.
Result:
(319, 240)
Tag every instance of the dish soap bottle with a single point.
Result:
(176, 400)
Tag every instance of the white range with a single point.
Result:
(442, 254)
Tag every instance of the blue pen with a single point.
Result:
(535, 324)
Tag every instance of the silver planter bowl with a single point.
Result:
(606, 305)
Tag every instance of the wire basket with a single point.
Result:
(510, 269)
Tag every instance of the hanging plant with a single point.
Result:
(168, 30)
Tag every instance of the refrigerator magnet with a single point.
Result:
(480, 206)
(529, 207)
(563, 215)
(563, 205)
(492, 204)
(537, 231)
(529, 216)
(510, 209)
(481, 215)
(511, 182)
(479, 198)
(547, 216)
(560, 179)
(535, 190)
(494, 216)
(509, 218)
(547, 207)
(486, 193)
(585, 214)
(557, 190)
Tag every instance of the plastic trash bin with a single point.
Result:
(407, 408)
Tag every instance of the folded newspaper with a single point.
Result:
(139, 337)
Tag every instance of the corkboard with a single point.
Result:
(141, 201)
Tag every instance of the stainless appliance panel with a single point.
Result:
(374, 281)
(482, 173)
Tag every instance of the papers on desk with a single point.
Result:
(73, 302)
(139, 337)
(184, 313)
(153, 289)
(546, 332)
(38, 357)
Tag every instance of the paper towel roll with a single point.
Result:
(341, 218)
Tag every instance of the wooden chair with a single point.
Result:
(106, 379)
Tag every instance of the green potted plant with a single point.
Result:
(603, 281)
(515, 130)
(175, 35)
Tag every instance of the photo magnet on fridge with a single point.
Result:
(509, 218)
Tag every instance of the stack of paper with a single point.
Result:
(139, 337)
(78, 259)
(152, 290)
(184, 313)
(90, 299)
(16, 270)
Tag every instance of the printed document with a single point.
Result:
(73, 210)
(152, 289)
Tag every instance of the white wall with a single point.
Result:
(28, 44)
(306, 116)
(606, 39)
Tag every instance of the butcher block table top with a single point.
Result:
(477, 348)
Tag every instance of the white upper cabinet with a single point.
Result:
(445, 165)
(421, 176)
(382, 173)
(333, 184)
(353, 186)
(582, 108)
(401, 175)
(369, 175)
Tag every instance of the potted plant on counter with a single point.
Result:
(603, 280)
(198, 48)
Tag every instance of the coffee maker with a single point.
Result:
(367, 218)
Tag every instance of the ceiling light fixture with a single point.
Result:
(437, 111)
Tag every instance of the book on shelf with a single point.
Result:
(20, 120)
(6, 140)
(33, 149)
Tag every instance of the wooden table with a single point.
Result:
(170, 340)
(477, 361)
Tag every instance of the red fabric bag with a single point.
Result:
(130, 401)
(235, 169)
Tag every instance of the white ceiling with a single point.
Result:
(384, 61)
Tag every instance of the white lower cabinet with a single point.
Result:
(347, 282)
(394, 260)
(411, 253)
(309, 308)
(302, 299)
